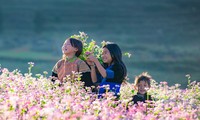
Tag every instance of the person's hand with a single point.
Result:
(92, 58)
(53, 78)
(90, 63)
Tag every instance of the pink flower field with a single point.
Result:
(31, 97)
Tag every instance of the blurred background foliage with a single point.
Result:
(163, 36)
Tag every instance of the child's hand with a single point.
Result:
(92, 58)
(53, 78)
(90, 63)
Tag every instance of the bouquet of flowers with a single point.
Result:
(91, 47)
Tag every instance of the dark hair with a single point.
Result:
(116, 55)
(143, 77)
(77, 44)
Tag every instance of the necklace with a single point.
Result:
(71, 59)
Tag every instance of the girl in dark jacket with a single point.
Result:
(112, 72)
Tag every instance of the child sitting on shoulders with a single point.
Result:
(142, 83)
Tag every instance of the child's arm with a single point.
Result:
(93, 74)
(54, 76)
(86, 73)
(93, 71)
(115, 74)
(98, 65)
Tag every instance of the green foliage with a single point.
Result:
(91, 47)
(88, 47)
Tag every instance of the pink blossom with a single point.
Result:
(87, 53)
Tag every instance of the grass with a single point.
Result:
(27, 55)
(13, 59)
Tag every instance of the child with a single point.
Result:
(113, 71)
(71, 50)
(142, 83)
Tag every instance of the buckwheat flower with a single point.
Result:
(31, 64)
(13, 100)
(82, 34)
(38, 75)
(177, 85)
(164, 83)
(139, 115)
(5, 70)
(47, 111)
(127, 54)
(73, 72)
(188, 76)
(57, 82)
(97, 108)
(194, 83)
(88, 117)
(151, 117)
(107, 87)
(87, 53)
(33, 110)
(117, 85)
(45, 72)
(103, 43)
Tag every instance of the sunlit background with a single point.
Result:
(163, 36)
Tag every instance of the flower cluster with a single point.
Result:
(25, 97)
(91, 47)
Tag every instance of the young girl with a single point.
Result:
(71, 50)
(142, 82)
(113, 71)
